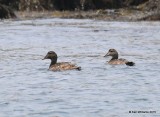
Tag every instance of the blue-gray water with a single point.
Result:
(28, 89)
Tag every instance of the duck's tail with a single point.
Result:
(130, 63)
(78, 68)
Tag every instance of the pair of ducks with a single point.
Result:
(54, 66)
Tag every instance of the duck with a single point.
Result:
(61, 66)
(115, 60)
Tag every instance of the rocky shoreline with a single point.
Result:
(128, 10)
(107, 15)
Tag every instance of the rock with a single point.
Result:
(152, 5)
(153, 8)
(6, 12)
(153, 17)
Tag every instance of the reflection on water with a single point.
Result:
(99, 90)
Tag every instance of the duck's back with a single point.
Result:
(63, 66)
(117, 61)
(120, 62)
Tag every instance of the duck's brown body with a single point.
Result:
(115, 60)
(54, 66)
(63, 66)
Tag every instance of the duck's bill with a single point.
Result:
(106, 55)
(46, 57)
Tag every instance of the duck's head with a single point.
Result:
(113, 53)
(51, 55)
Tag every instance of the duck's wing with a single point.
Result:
(117, 61)
(123, 60)
(64, 66)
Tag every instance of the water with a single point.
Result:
(28, 89)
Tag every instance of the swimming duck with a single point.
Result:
(115, 61)
(54, 66)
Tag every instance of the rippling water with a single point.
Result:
(28, 89)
